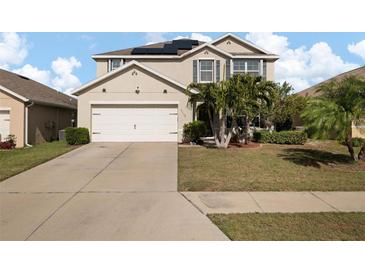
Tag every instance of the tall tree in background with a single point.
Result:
(284, 107)
(340, 105)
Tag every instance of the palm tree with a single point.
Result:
(242, 96)
(218, 99)
(340, 106)
(252, 94)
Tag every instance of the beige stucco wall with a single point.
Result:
(359, 130)
(122, 88)
(270, 70)
(101, 67)
(181, 70)
(16, 116)
(233, 46)
(45, 122)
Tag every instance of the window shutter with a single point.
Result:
(228, 69)
(195, 71)
(217, 71)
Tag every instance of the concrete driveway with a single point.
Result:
(103, 191)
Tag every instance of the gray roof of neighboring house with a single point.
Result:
(312, 90)
(155, 45)
(35, 91)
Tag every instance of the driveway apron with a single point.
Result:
(103, 191)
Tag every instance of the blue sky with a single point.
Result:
(63, 60)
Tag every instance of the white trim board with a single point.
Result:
(134, 102)
(124, 67)
(16, 95)
(242, 41)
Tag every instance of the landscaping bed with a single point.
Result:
(18, 160)
(327, 226)
(315, 166)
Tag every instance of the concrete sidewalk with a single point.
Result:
(246, 202)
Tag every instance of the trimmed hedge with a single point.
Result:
(356, 142)
(282, 137)
(77, 135)
(194, 130)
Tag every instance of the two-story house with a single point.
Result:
(140, 94)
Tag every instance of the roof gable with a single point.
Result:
(248, 49)
(130, 64)
(312, 91)
(26, 89)
(246, 45)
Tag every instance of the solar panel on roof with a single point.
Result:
(168, 49)
(186, 44)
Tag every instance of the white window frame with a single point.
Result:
(199, 70)
(260, 70)
(110, 64)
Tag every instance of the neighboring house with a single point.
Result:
(140, 94)
(357, 131)
(32, 111)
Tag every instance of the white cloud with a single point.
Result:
(357, 49)
(271, 42)
(13, 49)
(300, 66)
(196, 36)
(61, 76)
(154, 37)
(42, 76)
(63, 68)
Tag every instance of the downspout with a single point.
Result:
(26, 124)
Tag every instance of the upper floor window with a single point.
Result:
(250, 66)
(206, 71)
(114, 64)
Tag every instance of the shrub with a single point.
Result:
(77, 135)
(9, 143)
(194, 130)
(356, 142)
(282, 137)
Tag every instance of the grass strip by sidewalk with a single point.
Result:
(327, 226)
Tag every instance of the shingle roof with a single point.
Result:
(35, 91)
(312, 90)
(155, 45)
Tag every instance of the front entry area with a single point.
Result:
(134, 123)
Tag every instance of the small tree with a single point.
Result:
(284, 106)
(341, 105)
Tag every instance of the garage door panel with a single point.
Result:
(134, 124)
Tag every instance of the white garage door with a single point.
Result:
(4, 124)
(134, 124)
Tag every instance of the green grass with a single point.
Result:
(320, 166)
(292, 226)
(18, 160)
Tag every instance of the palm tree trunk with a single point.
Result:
(361, 155)
(350, 148)
(245, 129)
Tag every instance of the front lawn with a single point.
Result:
(292, 226)
(17, 160)
(319, 166)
